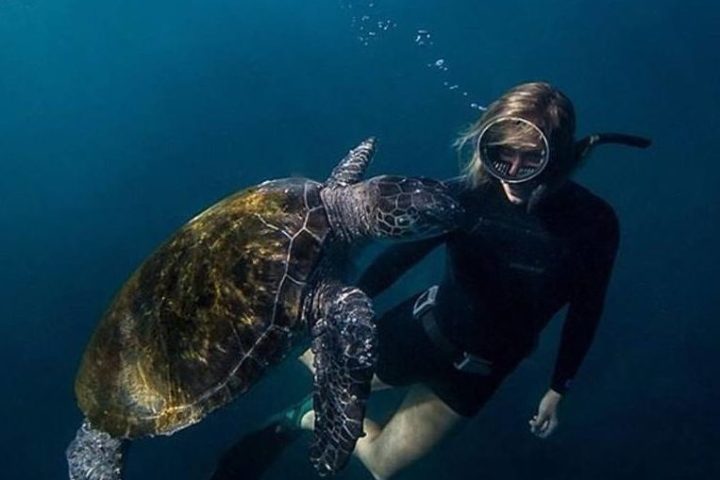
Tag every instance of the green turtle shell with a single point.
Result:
(204, 315)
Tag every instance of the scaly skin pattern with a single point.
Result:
(391, 207)
(205, 315)
(352, 168)
(344, 344)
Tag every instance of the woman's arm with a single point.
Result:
(587, 301)
(586, 305)
(393, 263)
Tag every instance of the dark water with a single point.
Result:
(121, 119)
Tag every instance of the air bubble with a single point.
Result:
(370, 26)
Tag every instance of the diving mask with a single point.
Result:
(513, 149)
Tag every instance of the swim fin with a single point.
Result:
(251, 456)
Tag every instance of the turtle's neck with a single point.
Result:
(345, 212)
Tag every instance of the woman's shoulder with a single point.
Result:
(593, 214)
(587, 201)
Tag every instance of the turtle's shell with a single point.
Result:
(200, 320)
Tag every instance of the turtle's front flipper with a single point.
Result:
(351, 168)
(94, 455)
(344, 346)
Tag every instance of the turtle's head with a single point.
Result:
(391, 207)
(410, 208)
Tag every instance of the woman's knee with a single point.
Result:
(307, 359)
(420, 424)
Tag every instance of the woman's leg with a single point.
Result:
(419, 424)
(307, 359)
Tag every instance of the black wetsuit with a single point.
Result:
(507, 273)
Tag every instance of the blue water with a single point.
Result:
(121, 119)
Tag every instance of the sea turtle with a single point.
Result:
(230, 293)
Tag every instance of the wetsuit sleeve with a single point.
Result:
(587, 300)
(393, 263)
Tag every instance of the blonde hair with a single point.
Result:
(541, 104)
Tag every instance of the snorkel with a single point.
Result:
(516, 162)
(525, 142)
(582, 150)
(584, 146)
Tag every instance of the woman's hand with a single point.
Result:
(544, 423)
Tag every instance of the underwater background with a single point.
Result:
(121, 119)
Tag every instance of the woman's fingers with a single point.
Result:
(548, 427)
(543, 425)
(538, 424)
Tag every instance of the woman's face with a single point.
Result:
(515, 152)
(516, 160)
(519, 159)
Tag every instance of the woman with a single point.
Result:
(531, 242)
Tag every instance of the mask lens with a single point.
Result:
(513, 149)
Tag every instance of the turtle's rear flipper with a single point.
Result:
(253, 454)
(344, 347)
(94, 455)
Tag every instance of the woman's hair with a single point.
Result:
(541, 104)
